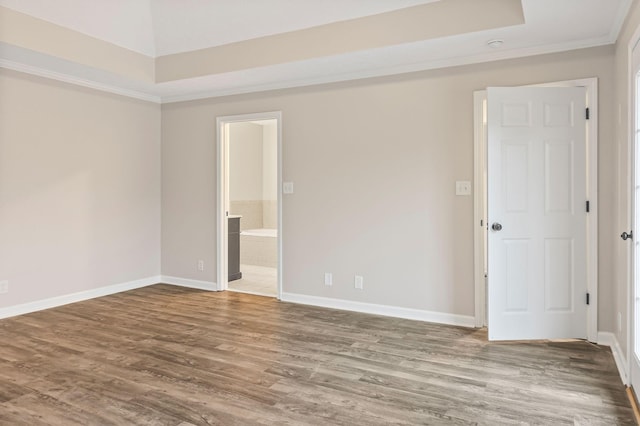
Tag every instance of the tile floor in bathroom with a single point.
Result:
(256, 280)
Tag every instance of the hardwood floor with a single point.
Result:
(165, 355)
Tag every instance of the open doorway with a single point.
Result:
(249, 208)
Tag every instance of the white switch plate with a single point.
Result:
(358, 282)
(4, 287)
(463, 187)
(328, 278)
(287, 187)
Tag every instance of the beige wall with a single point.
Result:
(270, 161)
(79, 188)
(245, 161)
(374, 164)
(270, 175)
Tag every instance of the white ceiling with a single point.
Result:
(160, 27)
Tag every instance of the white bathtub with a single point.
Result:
(262, 232)
(259, 247)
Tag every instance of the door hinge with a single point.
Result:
(587, 298)
(587, 114)
(588, 206)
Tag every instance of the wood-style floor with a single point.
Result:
(164, 355)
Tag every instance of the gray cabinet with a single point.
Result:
(234, 248)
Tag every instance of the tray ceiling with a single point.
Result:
(168, 50)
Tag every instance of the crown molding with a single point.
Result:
(425, 65)
(71, 79)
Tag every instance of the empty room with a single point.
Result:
(354, 212)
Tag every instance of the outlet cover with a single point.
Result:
(328, 279)
(4, 287)
(619, 322)
(358, 282)
(200, 265)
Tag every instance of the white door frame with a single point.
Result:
(480, 201)
(628, 249)
(222, 195)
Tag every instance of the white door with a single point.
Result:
(634, 364)
(537, 213)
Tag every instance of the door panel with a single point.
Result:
(537, 193)
(558, 180)
(558, 276)
(518, 273)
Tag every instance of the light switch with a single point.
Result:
(463, 187)
(287, 187)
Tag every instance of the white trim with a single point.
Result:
(606, 338)
(627, 250)
(280, 208)
(221, 192)
(56, 301)
(187, 282)
(153, 93)
(479, 200)
(221, 201)
(591, 86)
(67, 78)
(384, 310)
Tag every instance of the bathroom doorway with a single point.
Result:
(249, 242)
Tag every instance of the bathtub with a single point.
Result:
(263, 232)
(259, 247)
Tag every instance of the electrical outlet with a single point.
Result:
(200, 265)
(328, 278)
(619, 322)
(4, 287)
(358, 282)
(287, 187)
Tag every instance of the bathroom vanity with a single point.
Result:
(233, 226)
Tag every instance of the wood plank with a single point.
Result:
(176, 356)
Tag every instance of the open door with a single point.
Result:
(537, 213)
(629, 235)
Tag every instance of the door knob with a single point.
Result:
(626, 236)
(496, 226)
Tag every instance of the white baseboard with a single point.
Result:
(54, 302)
(606, 338)
(389, 311)
(186, 282)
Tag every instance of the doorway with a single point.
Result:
(249, 204)
(561, 298)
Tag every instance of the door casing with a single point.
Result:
(222, 192)
(480, 201)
